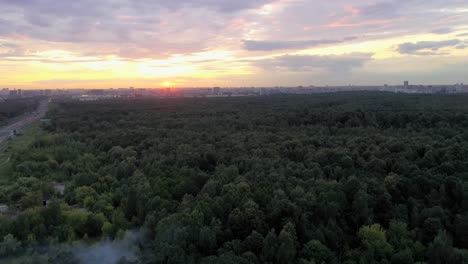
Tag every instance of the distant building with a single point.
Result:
(216, 91)
(459, 88)
(96, 92)
(86, 98)
(406, 84)
(13, 94)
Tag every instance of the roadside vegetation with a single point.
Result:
(20, 143)
(15, 107)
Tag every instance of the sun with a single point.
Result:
(167, 84)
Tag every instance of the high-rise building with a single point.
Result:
(13, 94)
(406, 84)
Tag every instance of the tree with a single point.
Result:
(9, 245)
(108, 229)
(374, 242)
(93, 225)
(254, 243)
(86, 195)
(403, 257)
(440, 251)
(317, 252)
(207, 240)
(270, 247)
(287, 243)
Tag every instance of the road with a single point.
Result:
(23, 121)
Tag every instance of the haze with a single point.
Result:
(193, 43)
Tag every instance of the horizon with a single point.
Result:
(245, 87)
(162, 87)
(247, 43)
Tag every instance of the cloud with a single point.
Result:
(256, 45)
(152, 28)
(127, 34)
(157, 28)
(11, 50)
(222, 5)
(79, 7)
(427, 47)
(38, 20)
(442, 31)
(304, 63)
(380, 10)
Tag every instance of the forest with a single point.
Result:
(355, 178)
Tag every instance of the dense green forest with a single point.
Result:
(334, 178)
(15, 107)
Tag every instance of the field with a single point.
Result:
(333, 178)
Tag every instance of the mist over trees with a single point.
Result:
(342, 178)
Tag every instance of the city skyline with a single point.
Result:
(206, 43)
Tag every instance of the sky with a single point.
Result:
(231, 43)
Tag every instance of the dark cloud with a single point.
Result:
(91, 8)
(222, 5)
(386, 9)
(304, 63)
(143, 25)
(442, 31)
(38, 20)
(390, 18)
(402, 8)
(427, 47)
(152, 28)
(255, 45)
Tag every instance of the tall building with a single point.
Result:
(13, 94)
(406, 84)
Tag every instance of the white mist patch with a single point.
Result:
(110, 252)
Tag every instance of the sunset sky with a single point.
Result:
(196, 43)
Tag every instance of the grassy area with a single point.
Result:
(6, 149)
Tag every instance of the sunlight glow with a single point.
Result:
(167, 84)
